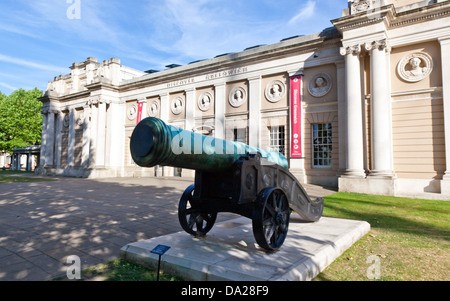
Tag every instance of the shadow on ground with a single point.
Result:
(43, 223)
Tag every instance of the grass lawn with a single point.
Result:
(120, 270)
(14, 176)
(410, 238)
(13, 172)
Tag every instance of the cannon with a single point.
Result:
(230, 176)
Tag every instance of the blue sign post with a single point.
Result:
(159, 250)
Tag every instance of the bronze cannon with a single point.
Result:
(230, 176)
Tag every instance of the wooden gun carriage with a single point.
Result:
(230, 176)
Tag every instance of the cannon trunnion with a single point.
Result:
(249, 182)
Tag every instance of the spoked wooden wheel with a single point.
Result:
(271, 218)
(192, 218)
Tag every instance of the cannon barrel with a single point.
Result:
(155, 143)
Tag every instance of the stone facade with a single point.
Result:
(375, 104)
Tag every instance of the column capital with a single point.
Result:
(354, 49)
(378, 44)
(93, 100)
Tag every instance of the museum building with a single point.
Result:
(363, 105)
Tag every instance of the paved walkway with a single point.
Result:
(42, 223)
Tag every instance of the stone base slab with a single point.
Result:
(369, 185)
(411, 188)
(229, 251)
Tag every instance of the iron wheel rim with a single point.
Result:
(192, 219)
(271, 218)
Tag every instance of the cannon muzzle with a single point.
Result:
(155, 143)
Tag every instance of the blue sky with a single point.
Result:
(40, 39)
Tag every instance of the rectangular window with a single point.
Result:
(277, 139)
(240, 135)
(322, 144)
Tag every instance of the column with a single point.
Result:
(71, 143)
(254, 112)
(342, 117)
(29, 161)
(93, 132)
(445, 61)
(101, 134)
(165, 107)
(50, 139)
(353, 110)
(117, 138)
(19, 157)
(43, 138)
(58, 138)
(86, 137)
(190, 109)
(381, 112)
(189, 124)
(219, 115)
(109, 121)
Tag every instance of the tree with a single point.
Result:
(20, 119)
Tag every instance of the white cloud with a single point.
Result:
(306, 12)
(21, 62)
(145, 34)
(201, 30)
(8, 86)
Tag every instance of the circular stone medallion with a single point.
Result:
(320, 85)
(275, 90)
(415, 67)
(177, 105)
(237, 97)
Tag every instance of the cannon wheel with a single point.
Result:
(271, 218)
(192, 219)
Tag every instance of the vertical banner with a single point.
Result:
(139, 112)
(296, 117)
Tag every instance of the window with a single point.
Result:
(276, 139)
(322, 144)
(240, 135)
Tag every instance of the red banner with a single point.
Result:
(139, 112)
(296, 117)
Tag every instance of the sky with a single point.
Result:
(40, 39)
